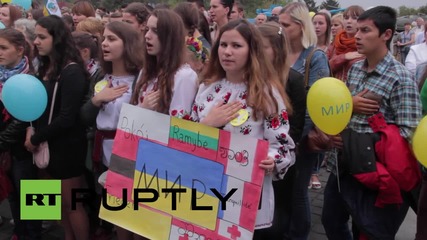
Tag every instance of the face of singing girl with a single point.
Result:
(10, 55)
(336, 26)
(152, 42)
(233, 52)
(112, 46)
(43, 41)
(320, 26)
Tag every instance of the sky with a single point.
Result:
(371, 3)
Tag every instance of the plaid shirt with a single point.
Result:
(395, 86)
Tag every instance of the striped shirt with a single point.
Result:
(394, 87)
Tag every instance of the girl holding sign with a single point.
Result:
(167, 84)
(236, 97)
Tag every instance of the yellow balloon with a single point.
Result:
(330, 105)
(419, 142)
(311, 14)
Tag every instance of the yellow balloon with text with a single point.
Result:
(330, 105)
(311, 14)
(419, 142)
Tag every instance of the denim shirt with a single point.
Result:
(319, 68)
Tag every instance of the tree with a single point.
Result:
(330, 5)
(311, 4)
(404, 11)
(423, 9)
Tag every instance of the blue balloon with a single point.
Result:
(25, 4)
(2, 26)
(24, 97)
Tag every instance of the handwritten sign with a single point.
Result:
(212, 179)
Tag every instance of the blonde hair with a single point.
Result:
(91, 25)
(299, 13)
(339, 17)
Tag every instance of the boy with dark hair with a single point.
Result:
(136, 14)
(379, 84)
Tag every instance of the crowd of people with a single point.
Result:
(206, 65)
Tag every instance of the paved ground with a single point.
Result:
(406, 232)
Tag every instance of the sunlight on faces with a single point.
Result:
(233, 52)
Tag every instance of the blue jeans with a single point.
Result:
(24, 229)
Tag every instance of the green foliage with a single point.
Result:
(423, 9)
(330, 5)
(403, 11)
(311, 4)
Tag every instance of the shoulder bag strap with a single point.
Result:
(307, 67)
(53, 102)
(55, 89)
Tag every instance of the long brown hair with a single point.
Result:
(132, 57)
(171, 34)
(275, 34)
(258, 71)
(187, 12)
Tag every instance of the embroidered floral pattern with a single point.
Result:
(246, 129)
(284, 118)
(180, 114)
(243, 95)
(209, 98)
(273, 122)
(201, 107)
(282, 138)
(218, 88)
(226, 97)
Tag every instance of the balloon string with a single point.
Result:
(336, 164)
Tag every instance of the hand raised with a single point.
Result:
(222, 113)
(109, 94)
(363, 105)
(151, 100)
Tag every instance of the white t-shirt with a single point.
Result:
(417, 54)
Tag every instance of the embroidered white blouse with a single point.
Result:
(275, 129)
(184, 91)
(108, 116)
